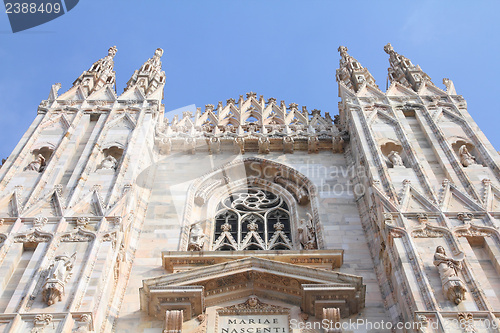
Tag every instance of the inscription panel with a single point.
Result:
(256, 323)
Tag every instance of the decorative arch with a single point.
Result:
(207, 192)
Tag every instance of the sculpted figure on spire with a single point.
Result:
(351, 73)
(403, 71)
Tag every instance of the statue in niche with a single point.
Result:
(453, 287)
(38, 164)
(196, 238)
(109, 163)
(395, 158)
(59, 274)
(466, 158)
(307, 234)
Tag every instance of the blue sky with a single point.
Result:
(215, 50)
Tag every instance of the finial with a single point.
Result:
(403, 71)
(351, 73)
(388, 48)
(158, 52)
(112, 51)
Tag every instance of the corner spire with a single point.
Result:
(403, 71)
(99, 74)
(150, 76)
(351, 72)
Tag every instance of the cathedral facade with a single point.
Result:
(251, 216)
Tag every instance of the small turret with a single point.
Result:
(100, 74)
(351, 73)
(403, 71)
(150, 76)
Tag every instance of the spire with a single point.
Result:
(351, 72)
(150, 76)
(100, 74)
(403, 71)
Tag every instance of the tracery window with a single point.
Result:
(252, 219)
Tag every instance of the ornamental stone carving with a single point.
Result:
(312, 145)
(288, 144)
(453, 287)
(173, 321)
(466, 157)
(41, 320)
(239, 143)
(264, 145)
(196, 238)
(331, 317)
(214, 145)
(59, 274)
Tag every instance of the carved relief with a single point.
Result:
(41, 320)
(213, 145)
(239, 143)
(453, 287)
(173, 321)
(288, 144)
(40, 221)
(427, 232)
(312, 144)
(83, 323)
(466, 321)
(332, 316)
(33, 236)
(59, 274)
(78, 235)
(264, 145)
(465, 217)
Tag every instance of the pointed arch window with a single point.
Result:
(252, 219)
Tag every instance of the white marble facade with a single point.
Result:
(251, 214)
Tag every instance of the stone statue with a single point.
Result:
(109, 163)
(453, 287)
(395, 158)
(466, 158)
(264, 144)
(307, 234)
(38, 164)
(196, 238)
(59, 274)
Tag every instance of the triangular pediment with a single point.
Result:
(454, 200)
(106, 93)
(414, 202)
(8, 206)
(427, 88)
(398, 90)
(49, 206)
(132, 94)
(90, 205)
(307, 287)
(368, 90)
(75, 93)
